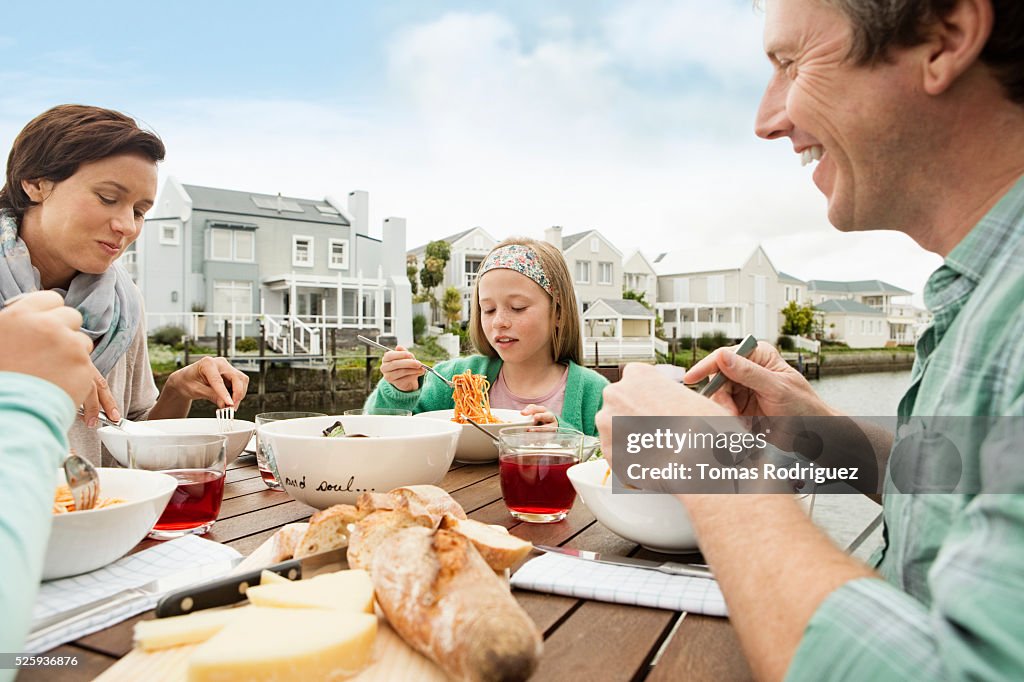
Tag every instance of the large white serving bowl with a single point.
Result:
(323, 471)
(116, 440)
(86, 540)
(658, 522)
(474, 447)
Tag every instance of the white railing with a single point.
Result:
(695, 330)
(802, 343)
(611, 348)
(661, 345)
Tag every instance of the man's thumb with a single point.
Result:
(740, 370)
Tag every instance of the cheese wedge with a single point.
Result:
(191, 629)
(281, 645)
(270, 578)
(341, 590)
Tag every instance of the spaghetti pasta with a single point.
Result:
(64, 503)
(471, 399)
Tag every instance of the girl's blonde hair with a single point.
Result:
(566, 343)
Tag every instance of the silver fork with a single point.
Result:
(83, 481)
(430, 369)
(225, 419)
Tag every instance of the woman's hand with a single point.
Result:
(401, 369)
(541, 415)
(763, 385)
(99, 398)
(213, 379)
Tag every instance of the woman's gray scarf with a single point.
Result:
(108, 302)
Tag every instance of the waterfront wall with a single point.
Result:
(835, 364)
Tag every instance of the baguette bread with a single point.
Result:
(328, 529)
(496, 545)
(446, 602)
(285, 540)
(368, 534)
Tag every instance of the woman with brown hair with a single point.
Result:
(79, 182)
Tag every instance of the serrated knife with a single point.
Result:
(669, 567)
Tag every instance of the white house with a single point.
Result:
(594, 263)
(305, 265)
(639, 275)
(732, 291)
(468, 250)
(904, 321)
(793, 289)
(618, 329)
(855, 324)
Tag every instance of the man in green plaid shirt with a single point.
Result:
(914, 111)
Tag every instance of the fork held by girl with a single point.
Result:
(525, 326)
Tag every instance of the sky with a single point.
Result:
(634, 119)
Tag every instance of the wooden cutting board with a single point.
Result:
(393, 659)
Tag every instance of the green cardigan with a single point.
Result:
(583, 388)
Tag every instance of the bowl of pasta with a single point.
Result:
(115, 440)
(130, 502)
(323, 461)
(475, 447)
(658, 522)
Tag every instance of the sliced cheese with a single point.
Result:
(191, 629)
(341, 590)
(270, 578)
(286, 644)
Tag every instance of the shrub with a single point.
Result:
(168, 336)
(247, 344)
(419, 325)
(785, 343)
(709, 341)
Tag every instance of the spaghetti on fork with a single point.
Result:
(471, 399)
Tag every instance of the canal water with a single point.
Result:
(858, 395)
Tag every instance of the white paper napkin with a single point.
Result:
(573, 577)
(65, 594)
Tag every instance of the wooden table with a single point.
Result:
(650, 644)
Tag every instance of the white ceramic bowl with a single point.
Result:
(86, 540)
(475, 447)
(323, 471)
(116, 440)
(658, 522)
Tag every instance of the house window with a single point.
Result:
(595, 245)
(787, 293)
(169, 235)
(681, 289)
(233, 245)
(472, 270)
(232, 296)
(716, 289)
(604, 273)
(583, 272)
(798, 294)
(302, 251)
(338, 258)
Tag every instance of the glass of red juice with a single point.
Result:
(198, 463)
(532, 462)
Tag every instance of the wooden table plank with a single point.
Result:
(703, 648)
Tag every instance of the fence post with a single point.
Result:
(228, 349)
(262, 382)
(185, 345)
(218, 343)
(597, 356)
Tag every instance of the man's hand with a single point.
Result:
(42, 338)
(763, 385)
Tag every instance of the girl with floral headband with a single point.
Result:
(525, 325)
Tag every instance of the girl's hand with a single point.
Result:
(401, 369)
(541, 415)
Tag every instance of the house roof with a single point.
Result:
(847, 307)
(784, 277)
(570, 240)
(620, 306)
(863, 286)
(269, 205)
(451, 239)
(711, 259)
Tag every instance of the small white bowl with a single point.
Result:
(86, 540)
(658, 522)
(116, 440)
(474, 447)
(323, 471)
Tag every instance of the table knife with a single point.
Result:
(669, 567)
(745, 348)
(231, 589)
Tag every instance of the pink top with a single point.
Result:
(503, 398)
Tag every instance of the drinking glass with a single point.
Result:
(264, 455)
(532, 465)
(198, 463)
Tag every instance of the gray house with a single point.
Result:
(301, 265)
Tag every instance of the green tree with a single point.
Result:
(432, 272)
(452, 306)
(799, 319)
(638, 296)
(411, 270)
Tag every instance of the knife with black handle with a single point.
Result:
(232, 589)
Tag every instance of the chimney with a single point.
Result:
(359, 209)
(553, 236)
(393, 260)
